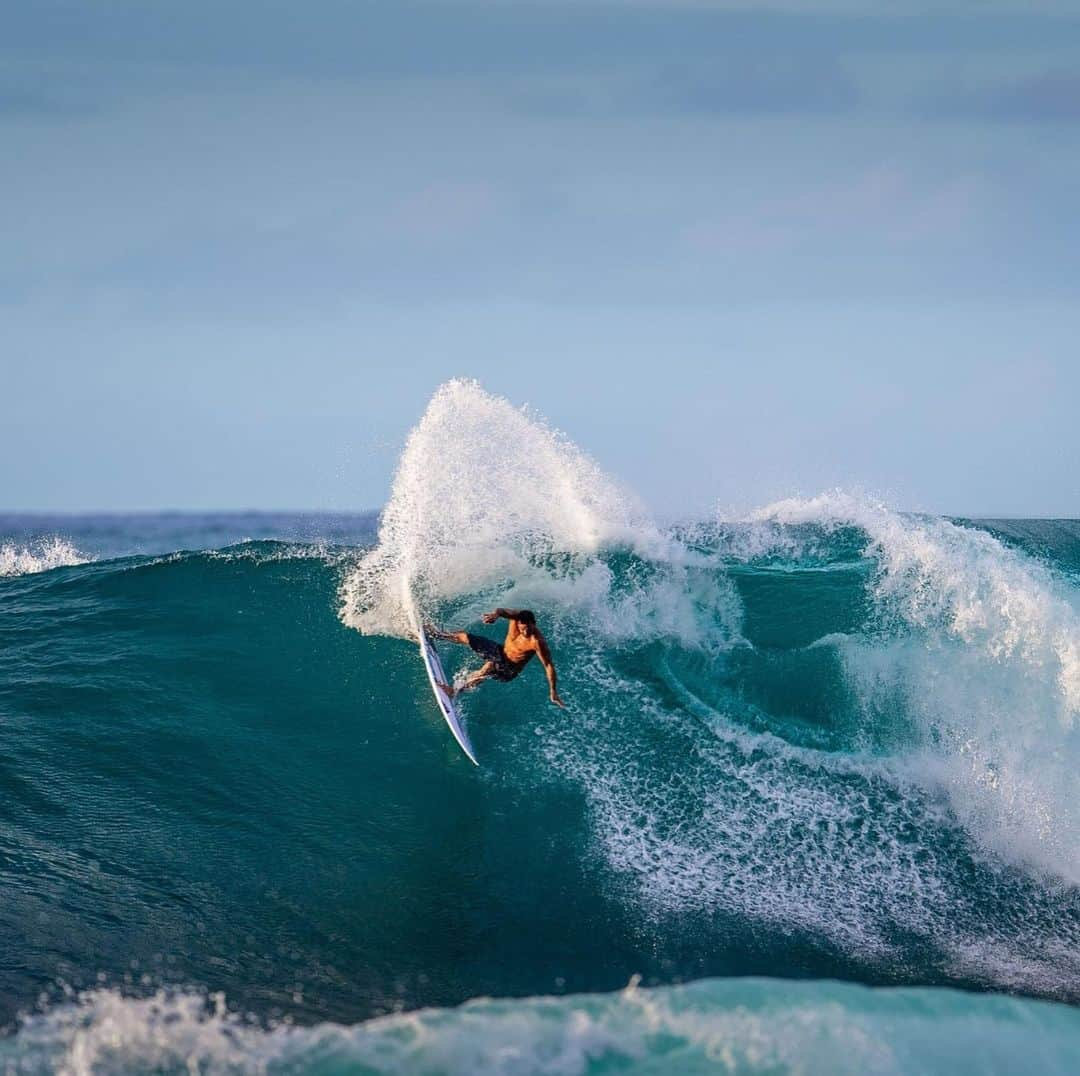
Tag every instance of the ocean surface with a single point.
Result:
(814, 805)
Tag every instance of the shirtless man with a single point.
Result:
(523, 639)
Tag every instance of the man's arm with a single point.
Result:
(509, 614)
(549, 668)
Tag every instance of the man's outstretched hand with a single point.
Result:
(489, 618)
(555, 699)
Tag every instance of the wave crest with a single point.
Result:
(41, 556)
(980, 645)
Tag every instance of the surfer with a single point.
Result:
(503, 663)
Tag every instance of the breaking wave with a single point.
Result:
(829, 739)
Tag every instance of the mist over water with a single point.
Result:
(828, 740)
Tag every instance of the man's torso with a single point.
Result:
(519, 648)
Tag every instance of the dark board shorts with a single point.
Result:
(502, 667)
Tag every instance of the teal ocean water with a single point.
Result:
(815, 795)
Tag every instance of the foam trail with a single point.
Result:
(40, 557)
(706, 823)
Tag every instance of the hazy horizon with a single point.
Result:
(374, 514)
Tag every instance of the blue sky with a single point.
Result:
(734, 252)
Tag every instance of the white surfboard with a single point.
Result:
(437, 676)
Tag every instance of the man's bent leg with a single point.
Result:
(482, 673)
(475, 678)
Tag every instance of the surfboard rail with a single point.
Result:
(436, 675)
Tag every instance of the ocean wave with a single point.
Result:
(980, 645)
(733, 1026)
(934, 733)
(831, 736)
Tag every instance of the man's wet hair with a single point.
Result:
(526, 617)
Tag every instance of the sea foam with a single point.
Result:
(40, 556)
(747, 1026)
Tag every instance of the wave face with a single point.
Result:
(828, 740)
(731, 1026)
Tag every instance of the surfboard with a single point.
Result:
(437, 676)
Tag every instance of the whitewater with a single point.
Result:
(819, 764)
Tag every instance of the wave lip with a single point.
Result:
(39, 556)
(981, 642)
(735, 1025)
(487, 498)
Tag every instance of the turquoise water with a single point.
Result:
(828, 740)
(758, 1026)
